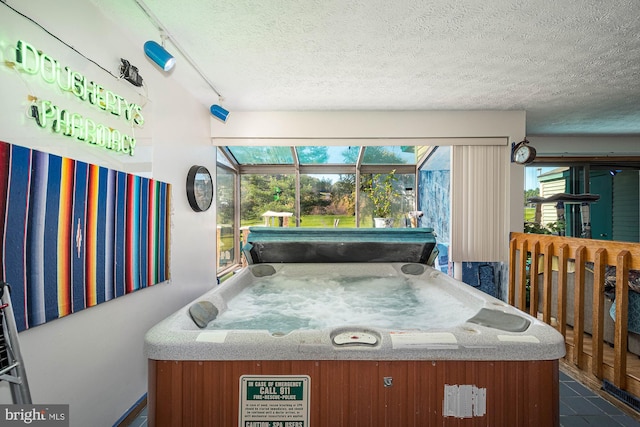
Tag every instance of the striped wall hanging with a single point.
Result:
(75, 235)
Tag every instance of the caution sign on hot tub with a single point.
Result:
(274, 401)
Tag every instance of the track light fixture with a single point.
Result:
(219, 113)
(159, 55)
(166, 61)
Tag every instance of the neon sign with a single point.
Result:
(74, 125)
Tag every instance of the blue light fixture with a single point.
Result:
(219, 112)
(159, 55)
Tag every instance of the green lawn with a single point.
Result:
(317, 221)
(327, 221)
(529, 214)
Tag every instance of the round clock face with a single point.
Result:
(524, 154)
(199, 188)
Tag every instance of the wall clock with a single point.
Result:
(199, 188)
(523, 153)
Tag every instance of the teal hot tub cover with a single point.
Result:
(314, 245)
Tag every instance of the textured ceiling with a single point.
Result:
(573, 65)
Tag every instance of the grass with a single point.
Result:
(317, 221)
(529, 214)
(345, 221)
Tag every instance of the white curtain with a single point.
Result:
(479, 203)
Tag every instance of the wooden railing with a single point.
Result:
(533, 259)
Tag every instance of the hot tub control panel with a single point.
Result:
(355, 338)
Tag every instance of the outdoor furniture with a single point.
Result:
(282, 218)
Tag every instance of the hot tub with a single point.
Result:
(477, 362)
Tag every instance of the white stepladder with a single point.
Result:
(11, 365)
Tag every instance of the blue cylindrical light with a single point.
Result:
(219, 112)
(159, 55)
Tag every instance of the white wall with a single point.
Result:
(93, 359)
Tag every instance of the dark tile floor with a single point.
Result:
(579, 407)
(583, 407)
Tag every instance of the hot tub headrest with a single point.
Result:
(202, 312)
(500, 320)
(263, 270)
(413, 269)
(320, 245)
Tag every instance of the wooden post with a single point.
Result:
(598, 311)
(533, 280)
(548, 283)
(562, 289)
(622, 307)
(522, 277)
(512, 272)
(578, 308)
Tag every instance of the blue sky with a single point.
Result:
(531, 176)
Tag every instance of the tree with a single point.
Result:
(312, 194)
(261, 193)
(532, 192)
(343, 195)
(382, 191)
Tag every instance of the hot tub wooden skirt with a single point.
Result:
(352, 393)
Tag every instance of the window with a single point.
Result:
(227, 251)
(327, 200)
(403, 185)
(315, 186)
(267, 199)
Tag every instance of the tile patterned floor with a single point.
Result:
(579, 407)
(582, 407)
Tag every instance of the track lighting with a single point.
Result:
(159, 55)
(166, 61)
(219, 112)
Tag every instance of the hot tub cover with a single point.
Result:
(325, 245)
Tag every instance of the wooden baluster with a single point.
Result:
(562, 289)
(622, 306)
(533, 280)
(545, 247)
(512, 272)
(522, 277)
(548, 283)
(599, 266)
(578, 308)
